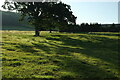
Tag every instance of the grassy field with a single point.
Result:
(63, 56)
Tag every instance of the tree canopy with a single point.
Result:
(41, 13)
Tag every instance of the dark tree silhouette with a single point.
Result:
(40, 12)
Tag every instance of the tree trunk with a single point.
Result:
(50, 31)
(37, 31)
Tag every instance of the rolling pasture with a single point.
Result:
(71, 56)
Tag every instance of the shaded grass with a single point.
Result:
(59, 55)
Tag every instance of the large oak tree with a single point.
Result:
(41, 13)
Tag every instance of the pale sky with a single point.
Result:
(1, 3)
(91, 11)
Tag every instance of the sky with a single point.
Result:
(104, 12)
(92, 11)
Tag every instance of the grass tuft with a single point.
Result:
(60, 55)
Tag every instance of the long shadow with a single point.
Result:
(94, 49)
(92, 70)
(107, 34)
(67, 63)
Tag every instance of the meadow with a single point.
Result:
(60, 56)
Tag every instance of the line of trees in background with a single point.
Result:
(52, 16)
(84, 27)
(42, 14)
(92, 27)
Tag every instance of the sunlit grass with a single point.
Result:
(59, 55)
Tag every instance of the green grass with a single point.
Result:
(59, 55)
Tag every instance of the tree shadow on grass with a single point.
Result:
(79, 67)
(76, 66)
(71, 66)
(105, 49)
(107, 34)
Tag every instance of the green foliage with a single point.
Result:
(60, 55)
(41, 13)
(95, 27)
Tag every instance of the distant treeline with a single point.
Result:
(95, 27)
(10, 20)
